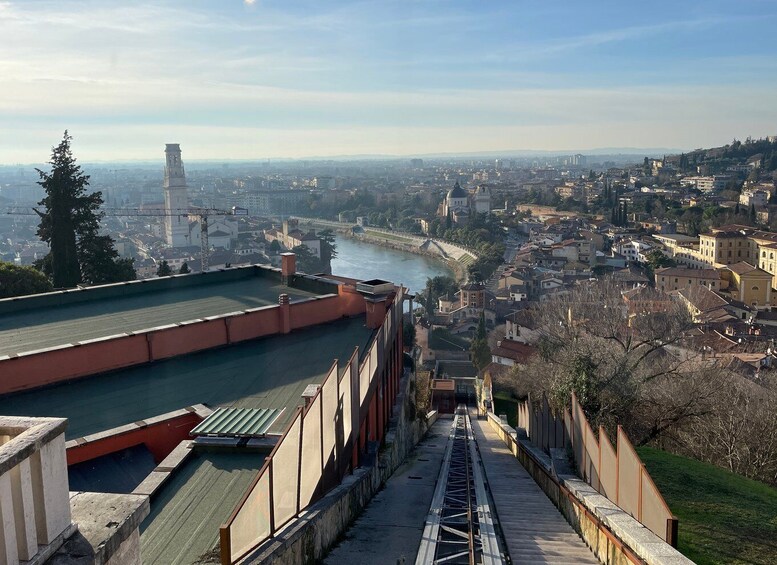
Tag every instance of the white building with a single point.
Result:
(633, 249)
(456, 199)
(758, 198)
(481, 200)
(176, 198)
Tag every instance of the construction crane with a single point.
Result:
(201, 214)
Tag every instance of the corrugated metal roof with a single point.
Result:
(243, 422)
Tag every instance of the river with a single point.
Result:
(365, 261)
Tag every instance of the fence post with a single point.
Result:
(299, 456)
(225, 545)
(639, 504)
(618, 466)
(671, 531)
(355, 410)
(272, 499)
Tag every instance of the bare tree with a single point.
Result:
(626, 362)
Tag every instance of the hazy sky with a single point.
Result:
(287, 78)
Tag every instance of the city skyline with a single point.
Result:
(255, 80)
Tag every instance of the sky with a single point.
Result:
(237, 79)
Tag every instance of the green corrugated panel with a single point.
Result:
(244, 422)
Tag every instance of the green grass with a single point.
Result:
(505, 404)
(444, 340)
(466, 260)
(724, 517)
(389, 237)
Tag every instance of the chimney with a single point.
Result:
(284, 313)
(288, 266)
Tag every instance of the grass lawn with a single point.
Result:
(505, 404)
(724, 518)
(389, 237)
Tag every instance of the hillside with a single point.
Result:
(724, 517)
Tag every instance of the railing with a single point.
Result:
(616, 472)
(34, 497)
(317, 448)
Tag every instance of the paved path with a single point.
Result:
(534, 529)
(390, 528)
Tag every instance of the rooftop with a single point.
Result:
(69, 317)
(183, 526)
(266, 373)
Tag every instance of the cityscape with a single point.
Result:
(272, 291)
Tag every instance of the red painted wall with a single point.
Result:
(30, 371)
(188, 338)
(160, 439)
(254, 324)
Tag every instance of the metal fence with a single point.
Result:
(616, 472)
(317, 447)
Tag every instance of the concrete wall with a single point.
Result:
(160, 435)
(308, 538)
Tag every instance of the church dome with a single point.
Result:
(457, 191)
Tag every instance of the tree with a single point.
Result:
(752, 215)
(275, 247)
(624, 370)
(307, 262)
(328, 247)
(481, 352)
(68, 208)
(16, 280)
(70, 224)
(656, 259)
(100, 263)
(184, 270)
(436, 287)
(164, 269)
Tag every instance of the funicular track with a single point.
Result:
(459, 527)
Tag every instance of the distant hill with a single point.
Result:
(758, 153)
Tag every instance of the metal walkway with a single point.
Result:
(459, 528)
(533, 528)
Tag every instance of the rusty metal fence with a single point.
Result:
(315, 451)
(615, 471)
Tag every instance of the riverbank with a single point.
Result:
(400, 241)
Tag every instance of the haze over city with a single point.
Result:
(255, 80)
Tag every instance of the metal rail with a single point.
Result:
(459, 528)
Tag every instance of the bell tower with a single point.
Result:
(176, 198)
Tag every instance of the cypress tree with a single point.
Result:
(70, 224)
(69, 210)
